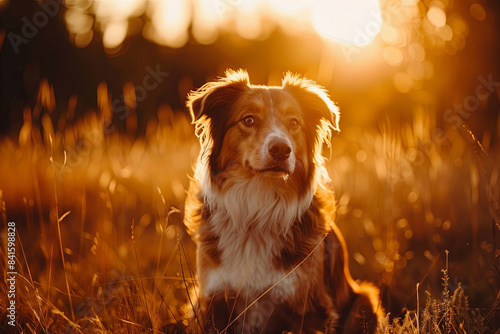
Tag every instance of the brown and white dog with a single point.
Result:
(269, 256)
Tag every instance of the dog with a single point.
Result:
(270, 258)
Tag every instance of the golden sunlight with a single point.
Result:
(103, 175)
(354, 22)
(168, 22)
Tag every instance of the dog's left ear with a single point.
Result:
(313, 99)
(217, 97)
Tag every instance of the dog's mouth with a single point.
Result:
(277, 170)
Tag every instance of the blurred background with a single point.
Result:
(96, 144)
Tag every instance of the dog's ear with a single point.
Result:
(314, 100)
(209, 107)
(319, 112)
(217, 97)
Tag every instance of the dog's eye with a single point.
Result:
(293, 123)
(249, 120)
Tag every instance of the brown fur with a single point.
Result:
(226, 213)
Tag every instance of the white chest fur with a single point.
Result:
(250, 220)
(249, 270)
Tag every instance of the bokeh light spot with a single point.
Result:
(402, 223)
(78, 22)
(84, 39)
(114, 34)
(393, 56)
(412, 197)
(445, 33)
(436, 16)
(248, 26)
(391, 35)
(477, 11)
(446, 225)
(169, 22)
(361, 156)
(205, 25)
(118, 9)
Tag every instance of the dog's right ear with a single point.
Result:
(216, 97)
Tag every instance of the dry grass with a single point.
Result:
(101, 247)
(448, 314)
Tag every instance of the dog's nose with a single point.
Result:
(280, 151)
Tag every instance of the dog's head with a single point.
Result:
(260, 131)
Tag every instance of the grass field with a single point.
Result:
(100, 245)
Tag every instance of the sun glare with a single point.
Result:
(354, 22)
(168, 22)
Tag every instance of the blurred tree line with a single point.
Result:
(30, 53)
